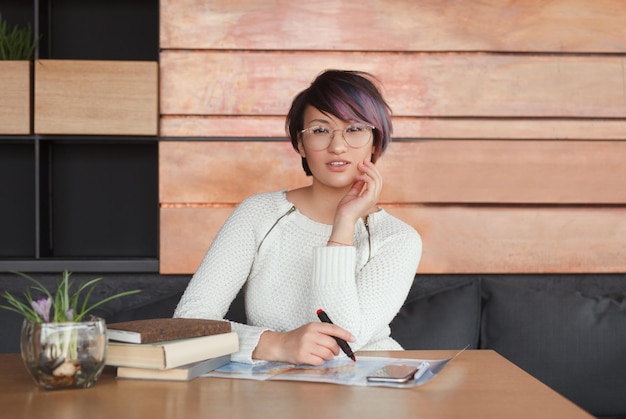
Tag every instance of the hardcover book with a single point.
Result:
(183, 373)
(171, 354)
(161, 330)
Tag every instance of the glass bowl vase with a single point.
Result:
(64, 355)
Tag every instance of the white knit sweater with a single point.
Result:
(289, 273)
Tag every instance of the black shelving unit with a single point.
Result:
(82, 203)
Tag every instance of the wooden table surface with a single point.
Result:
(478, 384)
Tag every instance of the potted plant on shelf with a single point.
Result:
(62, 345)
(17, 46)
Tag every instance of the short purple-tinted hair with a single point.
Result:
(349, 96)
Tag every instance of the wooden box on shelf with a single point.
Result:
(92, 97)
(15, 91)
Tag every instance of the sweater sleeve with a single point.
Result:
(221, 274)
(364, 301)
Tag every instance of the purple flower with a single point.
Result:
(42, 307)
(69, 314)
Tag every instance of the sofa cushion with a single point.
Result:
(573, 343)
(447, 318)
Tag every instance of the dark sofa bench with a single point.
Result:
(569, 331)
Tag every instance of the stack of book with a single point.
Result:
(169, 349)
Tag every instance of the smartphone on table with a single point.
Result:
(393, 373)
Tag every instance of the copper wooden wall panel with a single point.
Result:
(438, 84)
(427, 171)
(456, 239)
(378, 25)
(511, 119)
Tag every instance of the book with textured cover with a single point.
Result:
(183, 373)
(161, 330)
(173, 353)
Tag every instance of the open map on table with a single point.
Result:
(338, 371)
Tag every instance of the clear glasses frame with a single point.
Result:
(319, 137)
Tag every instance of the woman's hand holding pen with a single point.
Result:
(310, 344)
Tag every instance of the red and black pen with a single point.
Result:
(342, 343)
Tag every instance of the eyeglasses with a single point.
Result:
(319, 137)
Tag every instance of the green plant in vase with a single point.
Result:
(62, 345)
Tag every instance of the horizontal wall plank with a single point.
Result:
(427, 171)
(519, 240)
(185, 236)
(225, 172)
(530, 172)
(446, 85)
(406, 127)
(96, 97)
(425, 25)
(455, 239)
(15, 88)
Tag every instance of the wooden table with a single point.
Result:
(478, 384)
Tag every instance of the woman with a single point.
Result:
(324, 246)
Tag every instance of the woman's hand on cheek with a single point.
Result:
(364, 193)
(371, 176)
